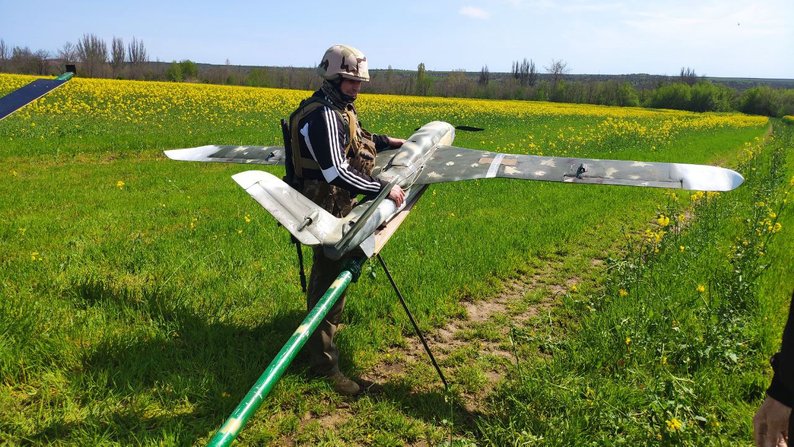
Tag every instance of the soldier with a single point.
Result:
(332, 161)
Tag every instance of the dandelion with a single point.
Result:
(663, 221)
(681, 248)
(628, 341)
(34, 256)
(120, 184)
(623, 293)
(695, 197)
(701, 288)
(247, 219)
(673, 425)
(777, 227)
(573, 288)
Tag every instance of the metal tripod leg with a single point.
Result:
(411, 317)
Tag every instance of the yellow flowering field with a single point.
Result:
(83, 108)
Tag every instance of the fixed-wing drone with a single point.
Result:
(428, 157)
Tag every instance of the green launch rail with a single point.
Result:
(251, 402)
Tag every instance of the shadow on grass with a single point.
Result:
(438, 405)
(175, 375)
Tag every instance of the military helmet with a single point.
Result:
(344, 61)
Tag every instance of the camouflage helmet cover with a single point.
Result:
(344, 61)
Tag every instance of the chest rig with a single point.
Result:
(359, 150)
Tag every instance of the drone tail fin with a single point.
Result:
(309, 223)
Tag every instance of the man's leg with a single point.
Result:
(323, 354)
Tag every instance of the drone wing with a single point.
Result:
(451, 164)
(264, 155)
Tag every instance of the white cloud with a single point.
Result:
(474, 13)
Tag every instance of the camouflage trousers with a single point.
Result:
(322, 351)
(333, 199)
(323, 354)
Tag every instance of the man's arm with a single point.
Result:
(324, 135)
(383, 142)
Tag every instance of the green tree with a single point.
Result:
(671, 96)
(708, 97)
(760, 101)
(189, 69)
(174, 72)
(423, 81)
(257, 77)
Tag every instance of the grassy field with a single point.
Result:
(142, 297)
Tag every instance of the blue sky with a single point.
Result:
(716, 38)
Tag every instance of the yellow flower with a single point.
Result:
(628, 341)
(34, 256)
(701, 288)
(681, 248)
(247, 218)
(664, 360)
(120, 184)
(663, 221)
(623, 293)
(573, 288)
(673, 424)
(777, 227)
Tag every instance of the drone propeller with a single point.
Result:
(466, 128)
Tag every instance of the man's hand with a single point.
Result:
(770, 424)
(394, 143)
(398, 195)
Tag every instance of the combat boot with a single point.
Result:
(343, 385)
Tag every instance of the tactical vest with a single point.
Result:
(360, 152)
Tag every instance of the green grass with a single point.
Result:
(664, 363)
(142, 313)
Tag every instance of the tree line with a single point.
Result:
(526, 81)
